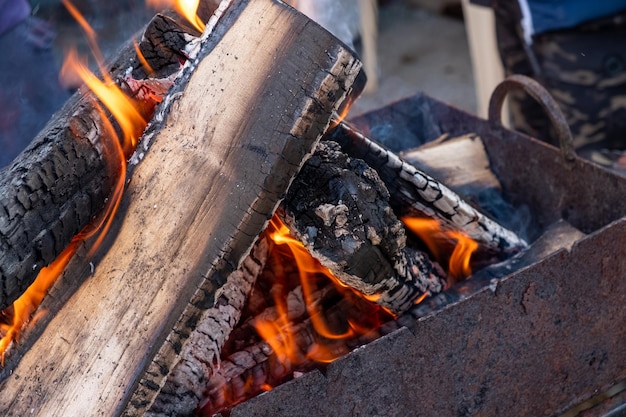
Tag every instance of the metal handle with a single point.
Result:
(549, 105)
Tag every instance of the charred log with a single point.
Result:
(54, 189)
(339, 208)
(61, 182)
(200, 358)
(163, 45)
(415, 193)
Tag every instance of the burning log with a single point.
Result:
(63, 180)
(339, 208)
(52, 191)
(200, 357)
(414, 193)
(242, 119)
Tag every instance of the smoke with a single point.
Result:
(339, 17)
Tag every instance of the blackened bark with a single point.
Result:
(50, 193)
(339, 208)
(61, 181)
(163, 46)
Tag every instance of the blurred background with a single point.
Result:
(421, 45)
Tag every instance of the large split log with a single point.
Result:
(260, 95)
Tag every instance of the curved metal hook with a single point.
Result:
(549, 105)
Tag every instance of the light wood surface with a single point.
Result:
(253, 109)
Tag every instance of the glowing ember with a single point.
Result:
(438, 239)
(278, 333)
(186, 8)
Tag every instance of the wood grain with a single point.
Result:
(261, 96)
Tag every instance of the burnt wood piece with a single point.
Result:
(250, 370)
(339, 208)
(56, 186)
(200, 358)
(50, 193)
(163, 45)
(224, 387)
(242, 118)
(415, 193)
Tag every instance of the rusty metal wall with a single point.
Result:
(546, 338)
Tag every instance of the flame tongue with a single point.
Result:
(186, 8)
(279, 333)
(438, 240)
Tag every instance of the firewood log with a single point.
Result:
(414, 193)
(339, 208)
(241, 119)
(200, 357)
(461, 163)
(55, 187)
(62, 180)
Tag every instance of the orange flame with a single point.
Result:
(28, 302)
(436, 238)
(91, 36)
(279, 333)
(131, 122)
(142, 59)
(186, 8)
(123, 108)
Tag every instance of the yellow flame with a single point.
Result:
(122, 107)
(186, 8)
(436, 238)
